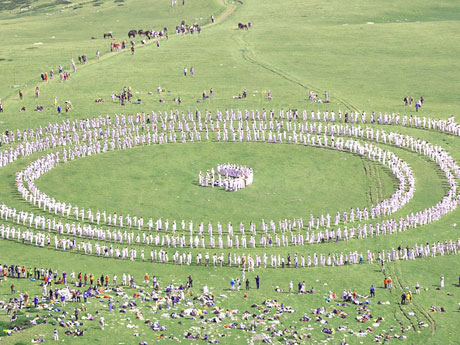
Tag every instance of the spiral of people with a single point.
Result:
(231, 177)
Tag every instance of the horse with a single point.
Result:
(242, 26)
(108, 35)
(132, 33)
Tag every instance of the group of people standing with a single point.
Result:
(231, 177)
(408, 100)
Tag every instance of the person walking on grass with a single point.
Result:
(417, 288)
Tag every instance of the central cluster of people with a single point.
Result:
(231, 177)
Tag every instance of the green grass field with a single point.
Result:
(367, 55)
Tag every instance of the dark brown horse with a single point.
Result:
(132, 33)
(108, 35)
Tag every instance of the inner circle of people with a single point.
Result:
(231, 177)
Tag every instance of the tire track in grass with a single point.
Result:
(380, 193)
(395, 315)
(369, 194)
(415, 308)
(431, 321)
(376, 183)
(249, 56)
(398, 306)
(373, 184)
